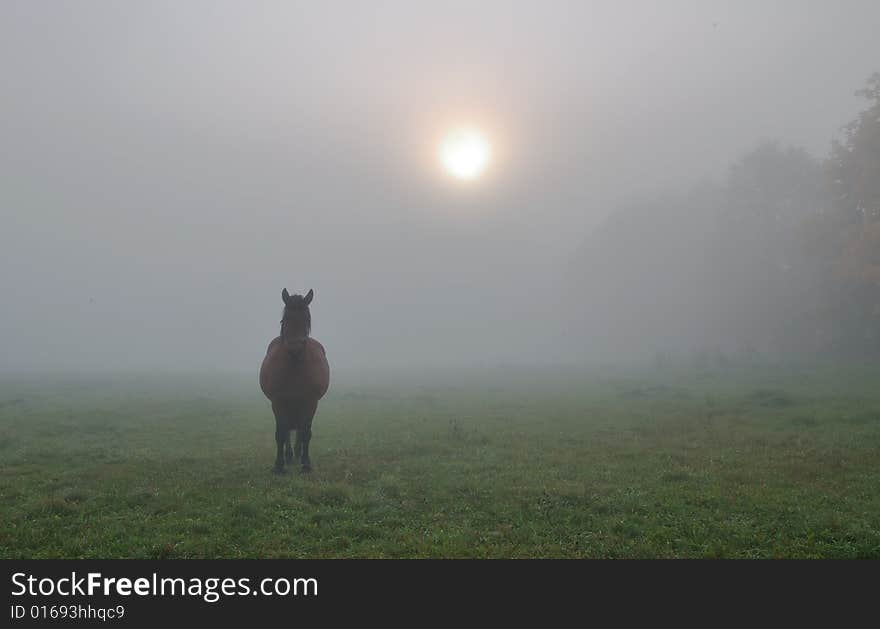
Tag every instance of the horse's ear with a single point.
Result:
(308, 297)
(285, 296)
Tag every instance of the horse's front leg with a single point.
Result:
(282, 434)
(306, 438)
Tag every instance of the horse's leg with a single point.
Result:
(288, 451)
(282, 432)
(309, 415)
(306, 438)
(298, 446)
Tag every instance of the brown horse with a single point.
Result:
(294, 376)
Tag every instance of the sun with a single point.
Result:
(465, 152)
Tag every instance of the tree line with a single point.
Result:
(780, 258)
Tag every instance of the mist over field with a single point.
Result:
(168, 168)
(594, 279)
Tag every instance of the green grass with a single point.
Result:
(734, 463)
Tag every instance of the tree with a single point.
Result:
(854, 168)
(779, 257)
(855, 161)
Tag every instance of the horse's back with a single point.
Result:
(303, 378)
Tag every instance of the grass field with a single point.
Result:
(765, 462)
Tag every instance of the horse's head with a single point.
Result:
(296, 321)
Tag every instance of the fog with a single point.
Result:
(167, 168)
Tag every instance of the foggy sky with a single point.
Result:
(167, 168)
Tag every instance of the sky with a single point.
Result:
(167, 168)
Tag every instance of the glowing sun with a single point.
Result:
(465, 153)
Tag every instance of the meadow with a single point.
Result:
(737, 462)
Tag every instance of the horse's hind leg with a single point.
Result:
(298, 446)
(288, 451)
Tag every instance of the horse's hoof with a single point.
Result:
(306, 468)
(278, 471)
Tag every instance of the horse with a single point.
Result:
(294, 376)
